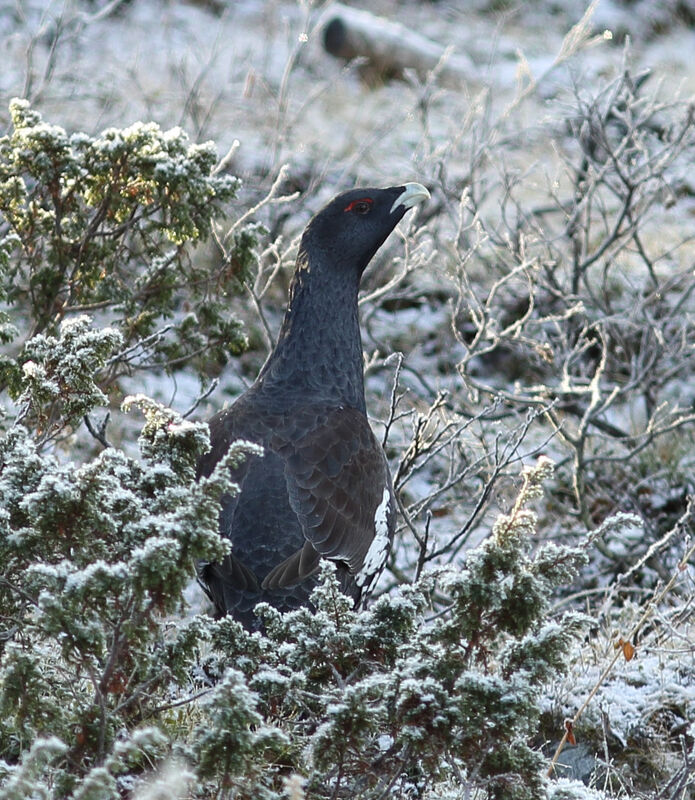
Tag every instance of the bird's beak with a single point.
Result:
(412, 195)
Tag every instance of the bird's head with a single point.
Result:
(348, 231)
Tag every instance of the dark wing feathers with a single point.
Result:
(315, 491)
(298, 567)
(233, 572)
(336, 475)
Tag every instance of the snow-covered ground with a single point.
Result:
(256, 71)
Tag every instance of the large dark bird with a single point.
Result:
(322, 489)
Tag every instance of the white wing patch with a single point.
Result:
(379, 548)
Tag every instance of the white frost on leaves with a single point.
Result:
(157, 547)
(32, 370)
(183, 428)
(173, 780)
(53, 572)
(97, 574)
(269, 676)
(567, 789)
(379, 548)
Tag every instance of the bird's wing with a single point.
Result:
(230, 574)
(340, 489)
(293, 570)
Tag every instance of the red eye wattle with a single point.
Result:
(361, 206)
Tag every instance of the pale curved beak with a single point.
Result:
(412, 195)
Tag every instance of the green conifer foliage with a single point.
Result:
(396, 699)
(105, 225)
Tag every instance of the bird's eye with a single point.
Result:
(363, 206)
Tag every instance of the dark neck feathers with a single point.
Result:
(318, 355)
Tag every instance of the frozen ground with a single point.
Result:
(256, 72)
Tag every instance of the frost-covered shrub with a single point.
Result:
(105, 225)
(394, 699)
(93, 557)
(96, 552)
(393, 702)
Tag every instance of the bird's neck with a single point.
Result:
(318, 355)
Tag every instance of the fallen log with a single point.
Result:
(387, 49)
